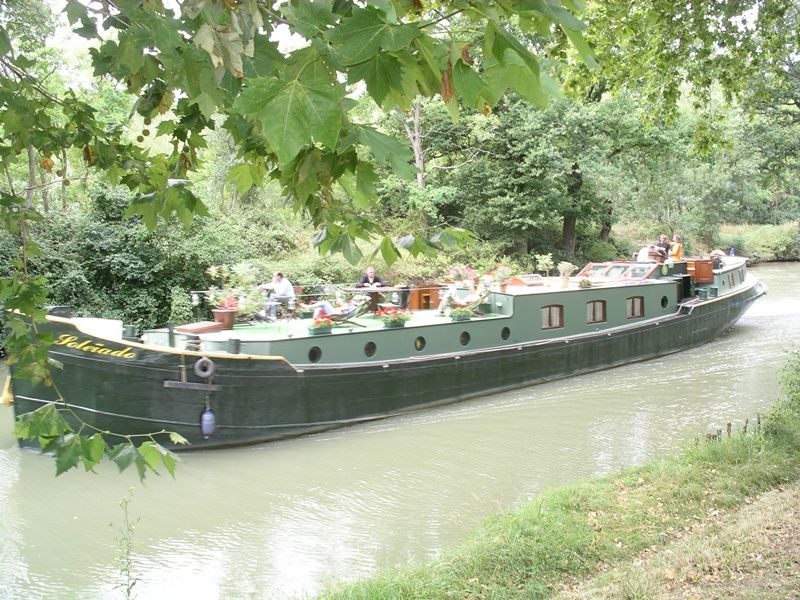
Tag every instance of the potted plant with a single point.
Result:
(566, 269)
(462, 275)
(320, 325)
(234, 293)
(501, 274)
(544, 262)
(585, 283)
(461, 313)
(393, 317)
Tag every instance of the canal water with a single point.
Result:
(281, 520)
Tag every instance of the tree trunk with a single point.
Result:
(569, 229)
(521, 246)
(416, 144)
(31, 177)
(234, 198)
(45, 191)
(605, 228)
(64, 179)
(568, 235)
(414, 135)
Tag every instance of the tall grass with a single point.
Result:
(763, 242)
(577, 530)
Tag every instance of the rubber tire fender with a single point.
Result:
(204, 367)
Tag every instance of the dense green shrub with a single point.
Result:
(763, 242)
(105, 265)
(601, 251)
(180, 306)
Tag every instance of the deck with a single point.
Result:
(297, 328)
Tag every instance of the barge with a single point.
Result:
(266, 381)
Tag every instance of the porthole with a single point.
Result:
(314, 354)
(464, 338)
(664, 302)
(419, 343)
(370, 348)
(505, 333)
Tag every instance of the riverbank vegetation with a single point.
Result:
(594, 535)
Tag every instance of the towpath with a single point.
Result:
(749, 553)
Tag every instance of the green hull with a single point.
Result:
(139, 389)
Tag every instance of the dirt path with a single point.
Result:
(750, 553)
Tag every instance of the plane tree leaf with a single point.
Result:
(93, 450)
(387, 150)
(68, 454)
(382, 73)
(469, 85)
(293, 114)
(360, 37)
(389, 251)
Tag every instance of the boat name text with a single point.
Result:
(71, 341)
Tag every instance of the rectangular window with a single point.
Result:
(552, 316)
(731, 281)
(635, 307)
(741, 276)
(596, 311)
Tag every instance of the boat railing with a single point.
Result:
(406, 295)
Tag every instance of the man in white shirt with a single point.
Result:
(651, 253)
(282, 292)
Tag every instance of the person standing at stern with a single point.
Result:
(676, 250)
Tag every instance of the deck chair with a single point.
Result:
(474, 306)
(359, 309)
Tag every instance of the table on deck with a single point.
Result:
(374, 292)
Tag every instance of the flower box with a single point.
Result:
(320, 330)
(321, 325)
(461, 313)
(393, 317)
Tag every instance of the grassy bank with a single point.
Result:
(585, 529)
(752, 553)
(763, 242)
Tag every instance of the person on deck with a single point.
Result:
(664, 244)
(282, 292)
(676, 249)
(323, 308)
(477, 291)
(651, 253)
(370, 279)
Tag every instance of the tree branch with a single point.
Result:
(34, 82)
(442, 18)
(10, 180)
(467, 161)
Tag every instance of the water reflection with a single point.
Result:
(282, 519)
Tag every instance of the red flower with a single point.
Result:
(390, 314)
(322, 321)
(229, 302)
